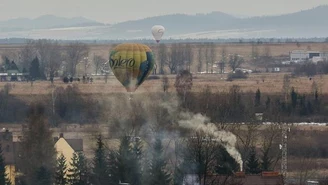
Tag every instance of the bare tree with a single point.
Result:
(162, 55)
(223, 59)
(188, 56)
(212, 55)
(183, 83)
(176, 58)
(254, 53)
(247, 135)
(270, 151)
(27, 54)
(207, 56)
(286, 86)
(75, 53)
(235, 61)
(200, 59)
(165, 83)
(54, 59)
(98, 61)
(50, 56)
(201, 151)
(306, 170)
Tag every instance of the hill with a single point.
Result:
(309, 23)
(45, 22)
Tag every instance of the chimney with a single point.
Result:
(240, 174)
(61, 135)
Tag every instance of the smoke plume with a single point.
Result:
(199, 122)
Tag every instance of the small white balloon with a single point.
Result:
(157, 31)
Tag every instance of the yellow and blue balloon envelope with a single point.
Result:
(131, 64)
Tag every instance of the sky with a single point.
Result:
(113, 11)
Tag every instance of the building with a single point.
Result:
(7, 145)
(10, 72)
(68, 147)
(302, 55)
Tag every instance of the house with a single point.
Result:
(7, 145)
(10, 72)
(67, 147)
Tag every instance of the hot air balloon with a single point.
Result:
(157, 32)
(131, 64)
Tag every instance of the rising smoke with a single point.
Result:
(199, 122)
(149, 108)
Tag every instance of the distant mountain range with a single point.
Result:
(45, 22)
(302, 24)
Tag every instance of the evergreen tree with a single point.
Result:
(257, 101)
(267, 103)
(35, 69)
(61, 169)
(135, 166)
(100, 168)
(266, 161)
(293, 96)
(3, 176)
(123, 159)
(38, 151)
(113, 167)
(43, 176)
(158, 173)
(252, 163)
(226, 165)
(78, 174)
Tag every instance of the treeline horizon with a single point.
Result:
(187, 40)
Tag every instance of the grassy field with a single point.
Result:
(273, 83)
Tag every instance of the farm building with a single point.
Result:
(302, 55)
(10, 72)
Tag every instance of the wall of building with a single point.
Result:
(64, 148)
(10, 171)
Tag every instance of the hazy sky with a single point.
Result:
(111, 11)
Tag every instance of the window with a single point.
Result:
(8, 148)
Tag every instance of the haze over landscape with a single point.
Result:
(206, 19)
(93, 93)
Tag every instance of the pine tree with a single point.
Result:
(135, 166)
(78, 174)
(257, 101)
(43, 176)
(3, 176)
(266, 161)
(113, 167)
(38, 151)
(293, 96)
(158, 173)
(226, 165)
(35, 69)
(100, 167)
(123, 159)
(61, 169)
(252, 163)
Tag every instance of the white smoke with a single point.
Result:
(199, 122)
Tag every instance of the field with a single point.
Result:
(266, 82)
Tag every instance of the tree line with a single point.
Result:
(44, 58)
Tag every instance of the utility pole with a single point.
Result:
(284, 135)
